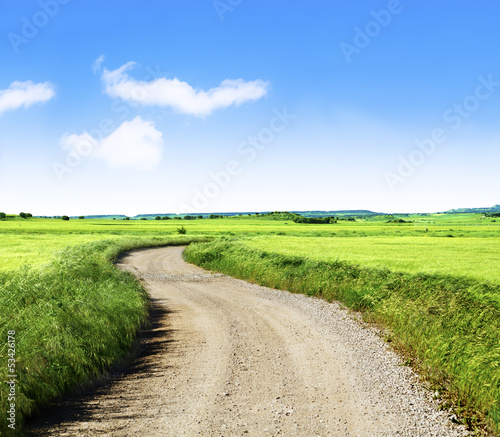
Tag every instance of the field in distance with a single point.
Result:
(471, 257)
(457, 244)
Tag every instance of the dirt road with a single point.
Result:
(227, 358)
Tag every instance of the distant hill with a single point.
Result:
(317, 214)
(106, 216)
(344, 212)
(152, 216)
(495, 208)
(193, 214)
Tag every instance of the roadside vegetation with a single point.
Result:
(72, 319)
(448, 327)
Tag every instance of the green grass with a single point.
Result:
(477, 258)
(35, 241)
(448, 326)
(72, 319)
(36, 249)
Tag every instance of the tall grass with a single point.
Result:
(72, 320)
(449, 326)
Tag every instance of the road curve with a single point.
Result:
(228, 358)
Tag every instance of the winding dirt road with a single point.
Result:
(228, 358)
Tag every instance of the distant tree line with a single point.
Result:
(27, 215)
(314, 220)
(492, 214)
(165, 217)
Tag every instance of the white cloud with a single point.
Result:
(134, 144)
(79, 143)
(96, 66)
(25, 94)
(180, 95)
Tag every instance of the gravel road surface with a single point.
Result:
(228, 358)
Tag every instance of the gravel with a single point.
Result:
(227, 358)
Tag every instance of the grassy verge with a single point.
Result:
(72, 320)
(448, 326)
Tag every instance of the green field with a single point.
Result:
(442, 308)
(472, 257)
(36, 241)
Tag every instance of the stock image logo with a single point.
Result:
(32, 25)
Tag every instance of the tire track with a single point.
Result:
(227, 358)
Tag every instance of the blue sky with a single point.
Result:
(237, 105)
